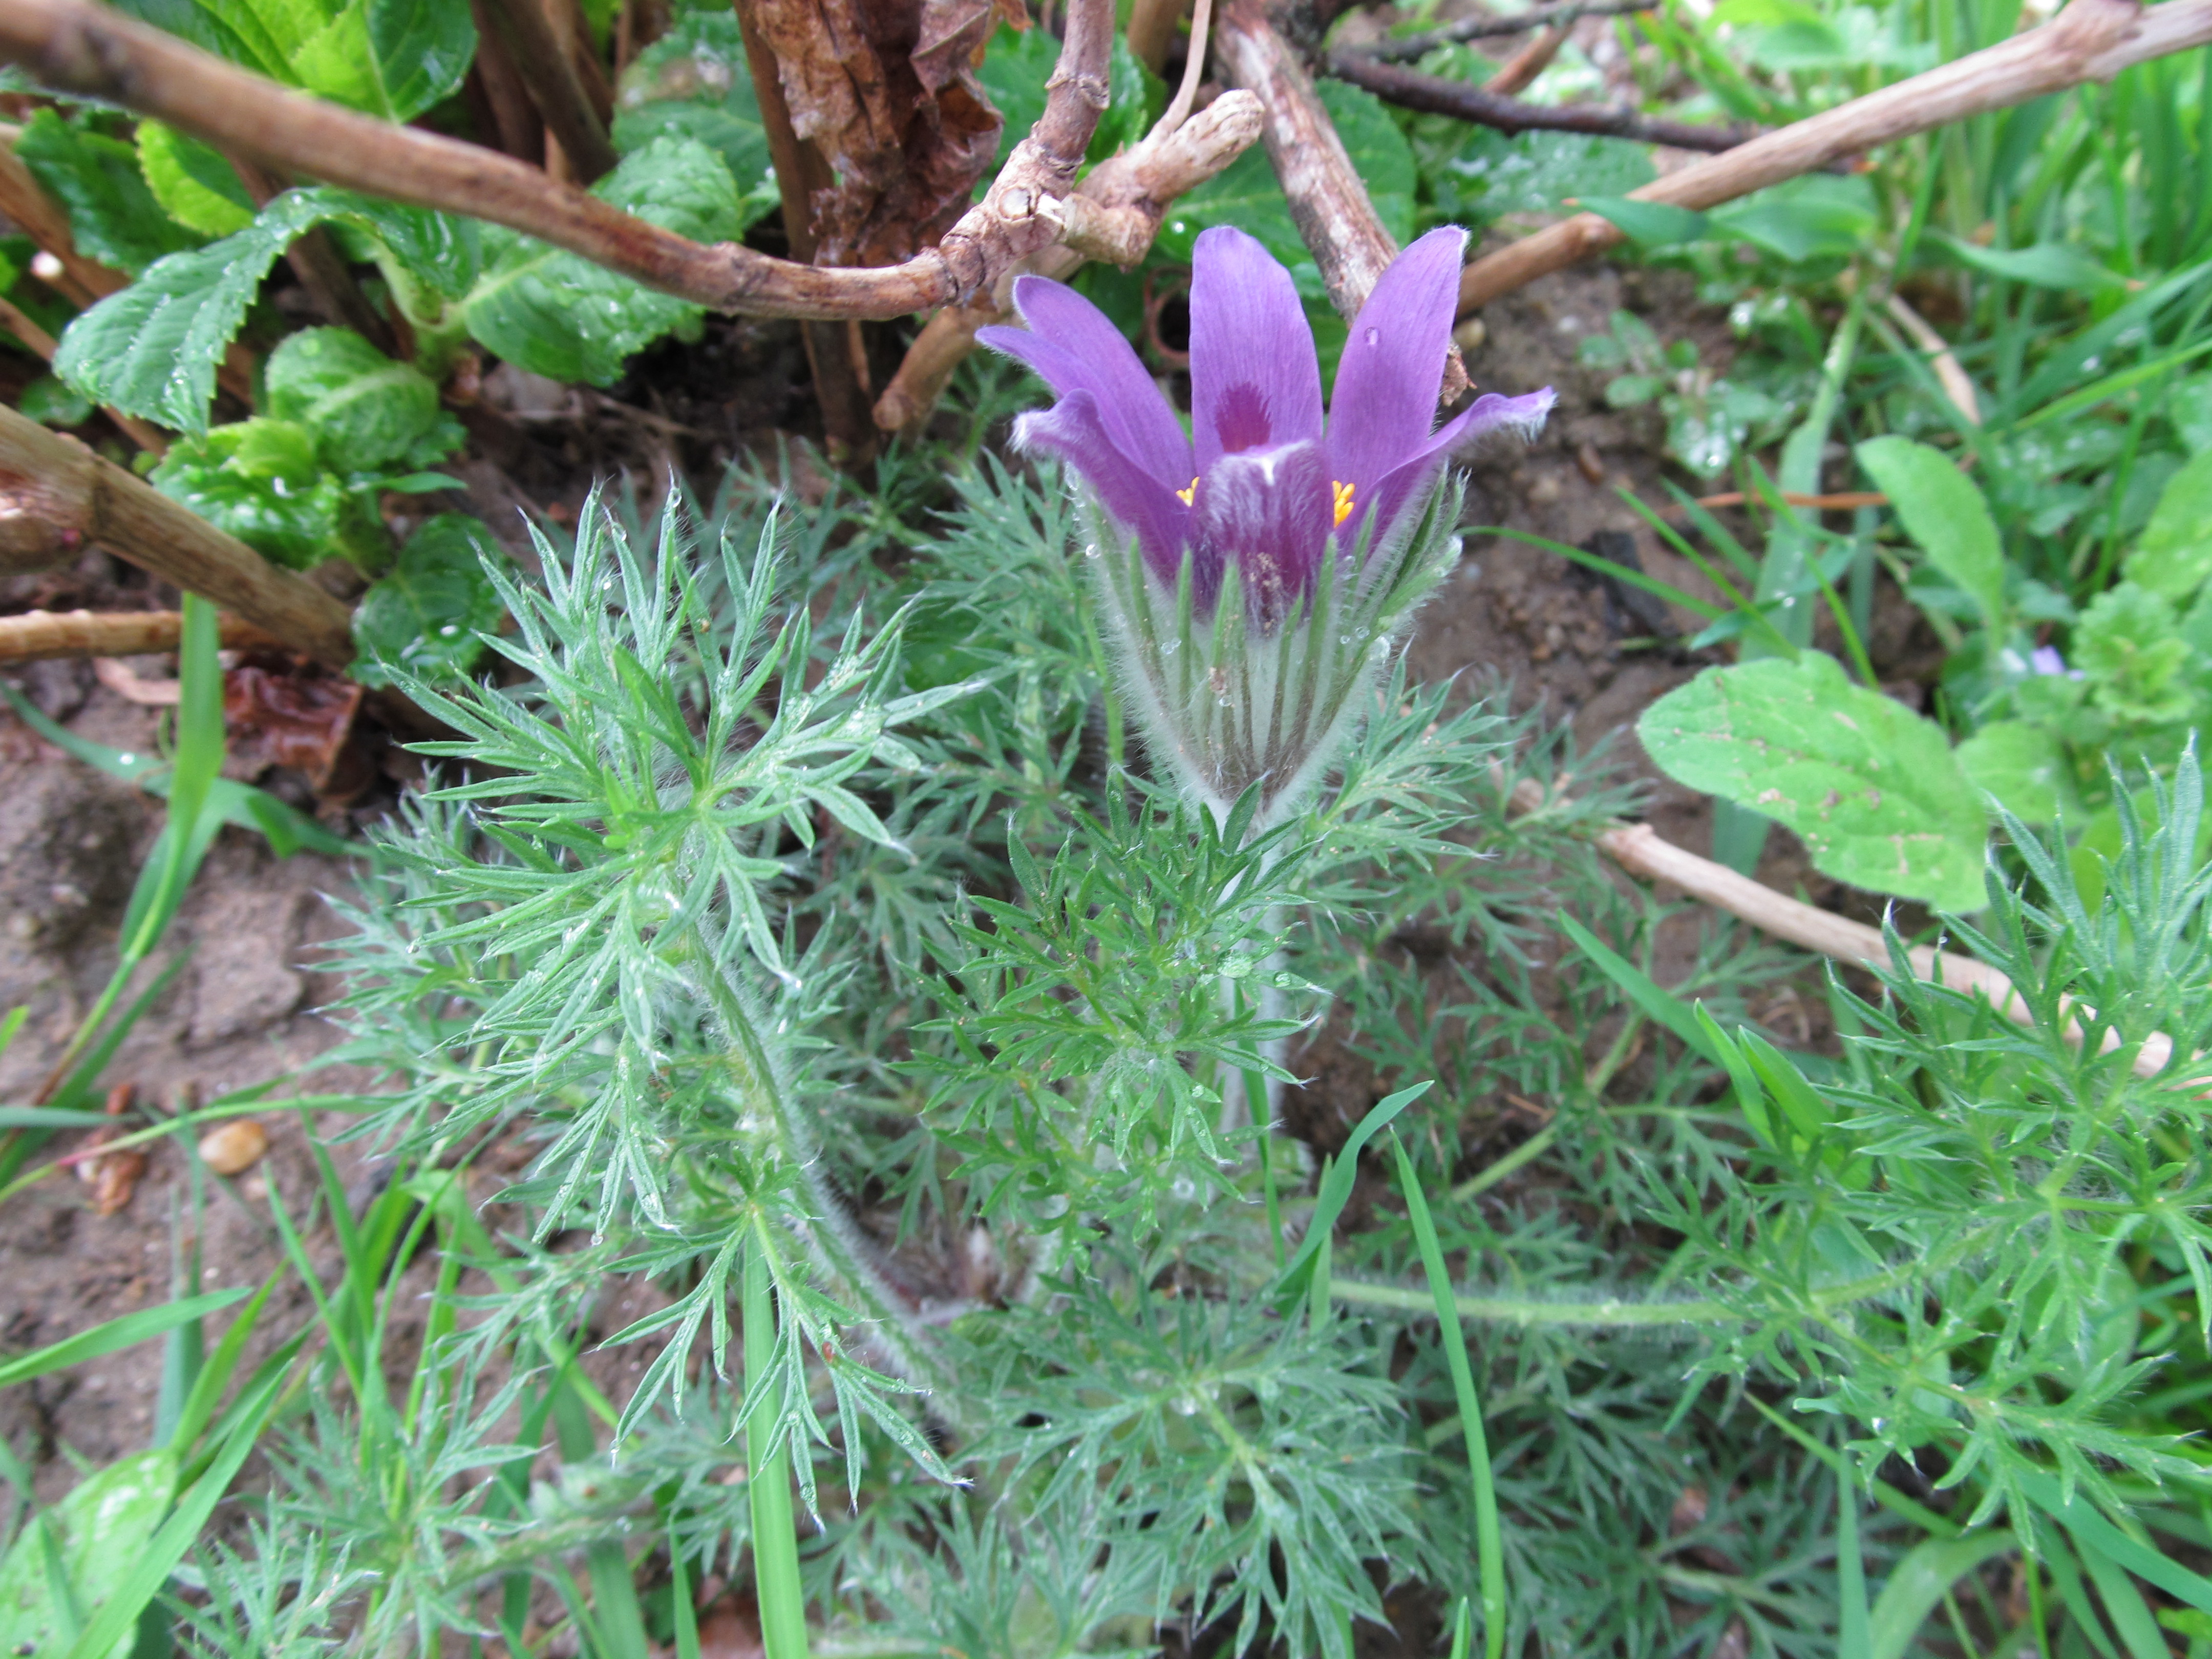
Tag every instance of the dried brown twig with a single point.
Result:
(80, 47)
(57, 495)
(2089, 40)
(37, 634)
(1435, 94)
(1640, 850)
(1114, 215)
(1404, 49)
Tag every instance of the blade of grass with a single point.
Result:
(115, 1334)
(1489, 1543)
(1853, 1638)
(1336, 1185)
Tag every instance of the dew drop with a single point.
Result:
(1171, 647)
(1090, 551)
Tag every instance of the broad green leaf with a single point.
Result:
(2047, 265)
(1821, 215)
(54, 403)
(151, 348)
(1245, 194)
(1135, 98)
(1943, 512)
(259, 480)
(440, 253)
(2129, 643)
(191, 180)
(693, 84)
(1654, 224)
(393, 58)
(112, 214)
(557, 314)
(425, 615)
(364, 412)
(2174, 555)
(1016, 65)
(1870, 787)
(1917, 1582)
(1537, 173)
(261, 34)
(97, 1533)
(2189, 406)
(1379, 153)
(2022, 765)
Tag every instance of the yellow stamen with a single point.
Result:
(1343, 501)
(1184, 495)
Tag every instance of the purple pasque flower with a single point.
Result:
(1263, 482)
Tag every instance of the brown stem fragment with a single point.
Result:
(2089, 40)
(514, 119)
(40, 217)
(1151, 29)
(39, 634)
(1516, 73)
(548, 72)
(1434, 94)
(78, 46)
(50, 476)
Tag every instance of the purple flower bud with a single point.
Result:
(1264, 481)
(2044, 660)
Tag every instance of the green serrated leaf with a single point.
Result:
(114, 216)
(693, 82)
(1654, 224)
(97, 1533)
(1943, 511)
(392, 58)
(1379, 153)
(261, 481)
(2022, 765)
(261, 34)
(424, 616)
(557, 314)
(191, 180)
(1871, 787)
(2174, 555)
(364, 411)
(2129, 643)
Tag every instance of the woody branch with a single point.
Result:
(87, 49)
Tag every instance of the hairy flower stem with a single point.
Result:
(826, 1233)
(775, 1542)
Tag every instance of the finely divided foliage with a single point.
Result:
(860, 958)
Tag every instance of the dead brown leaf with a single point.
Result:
(286, 712)
(112, 1177)
(887, 90)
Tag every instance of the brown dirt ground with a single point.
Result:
(244, 1010)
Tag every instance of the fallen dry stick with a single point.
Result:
(36, 636)
(77, 47)
(1404, 49)
(1639, 849)
(55, 491)
(2090, 40)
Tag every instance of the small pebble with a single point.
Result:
(234, 1147)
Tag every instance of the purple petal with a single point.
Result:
(1073, 345)
(1392, 367)
(1269, 511)
(1255, 383)
(1410, 479)
(1073, 429)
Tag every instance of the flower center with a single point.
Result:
(1184, 495)
(1343, 494)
